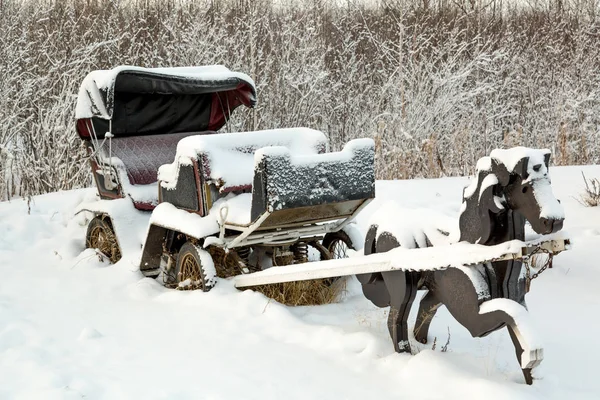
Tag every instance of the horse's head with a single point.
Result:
(527, 189)
(515, 179)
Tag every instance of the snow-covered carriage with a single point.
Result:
(263, 198)
(260, 199)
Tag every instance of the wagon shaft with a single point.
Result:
(425, 259)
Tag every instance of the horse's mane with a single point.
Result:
(483, 201)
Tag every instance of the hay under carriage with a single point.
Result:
(272, 210)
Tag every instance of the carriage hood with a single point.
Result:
(133, 101)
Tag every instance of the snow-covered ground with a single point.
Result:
(73, 327)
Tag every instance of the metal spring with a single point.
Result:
(244, 253)
(300, 252)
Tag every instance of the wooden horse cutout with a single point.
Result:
(511, 187)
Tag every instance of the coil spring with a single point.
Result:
(300, 252)
(244, 253)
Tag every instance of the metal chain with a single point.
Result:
(529, 261)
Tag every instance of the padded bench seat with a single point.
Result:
(143, 155)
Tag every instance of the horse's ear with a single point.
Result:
(501, 172)
(547, 160)
(521, 167)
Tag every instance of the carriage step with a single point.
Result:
(401, 259)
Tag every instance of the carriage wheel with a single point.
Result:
(189, 273)
(338, 244)
(100, 235)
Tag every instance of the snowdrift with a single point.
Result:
(72, 326)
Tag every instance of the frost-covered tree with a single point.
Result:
(437, 84)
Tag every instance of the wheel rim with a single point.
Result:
(190, 270)
(105, 242)
(338, 249)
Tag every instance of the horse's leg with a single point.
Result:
(402, 287)
(457, 292)
(529, 354)
(519, 351)
(427, 309)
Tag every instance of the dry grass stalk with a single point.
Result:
(445, 346)
(591, 195)
(562, 153)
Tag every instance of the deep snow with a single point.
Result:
(74, 327)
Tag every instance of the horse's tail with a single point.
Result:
(370, 248)
(373, 286)
(370, 240)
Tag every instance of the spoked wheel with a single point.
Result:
(338, 244)
(339, 249)
(193, 269)
(100, 235)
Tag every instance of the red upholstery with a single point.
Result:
(142, 155)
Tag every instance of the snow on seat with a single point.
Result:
(238, 213)
(238, 209)
(143, 155)
(227, 159)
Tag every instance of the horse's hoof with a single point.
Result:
(527, 375)
(532, 358)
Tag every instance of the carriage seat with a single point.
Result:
(143, 155)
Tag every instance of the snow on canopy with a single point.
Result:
(228, 158)
(96, 93)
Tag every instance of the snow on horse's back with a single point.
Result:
(414, 227)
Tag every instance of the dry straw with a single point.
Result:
(300, 293)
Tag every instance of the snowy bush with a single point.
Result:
(437, 84)
(590, 197)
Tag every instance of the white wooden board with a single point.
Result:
(430, 258)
